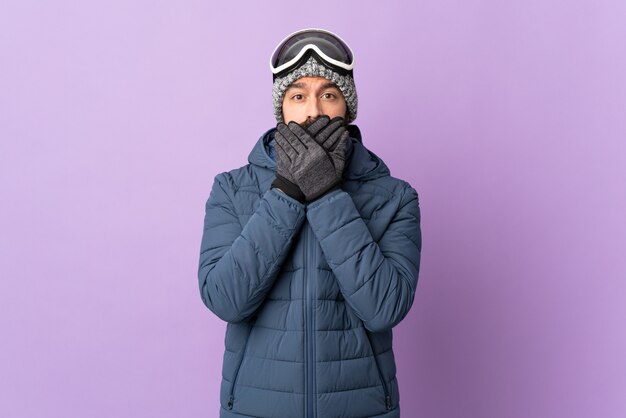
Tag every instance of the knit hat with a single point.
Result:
(312, 68)
(313, 53)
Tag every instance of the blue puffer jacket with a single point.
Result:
(310, 292)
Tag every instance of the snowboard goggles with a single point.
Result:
(296, 48)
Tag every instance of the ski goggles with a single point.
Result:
(296, 48)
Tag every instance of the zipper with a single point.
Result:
(380, 374)
(231, 396)
(309, 334)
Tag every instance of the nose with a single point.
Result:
(314, 108)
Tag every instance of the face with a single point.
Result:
(310, 97)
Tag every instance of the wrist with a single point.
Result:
(290, 189)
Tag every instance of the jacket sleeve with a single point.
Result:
(377, 279)
(238, 265)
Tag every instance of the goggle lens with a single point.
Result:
(329, 44)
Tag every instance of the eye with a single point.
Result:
(329, 95)
(297, 97)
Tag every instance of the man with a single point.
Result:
(310, 252)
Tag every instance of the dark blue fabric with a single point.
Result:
(310, 292)
(270, 146)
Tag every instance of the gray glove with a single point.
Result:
(310, 165)
(284, 178)
(334, 139)
(317, 126)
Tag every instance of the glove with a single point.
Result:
(320, 123)
(284, 179)
(334, 139)
(309, 163)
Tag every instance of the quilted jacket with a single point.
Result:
(310, 292)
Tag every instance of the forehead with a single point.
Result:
(312, 83)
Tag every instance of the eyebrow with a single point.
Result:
(303, 85)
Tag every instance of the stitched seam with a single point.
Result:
(318, 361)
(269, 390)
(348, 390)
(369, 278)
(273, 359)
(353, 358)
(354, 254)
(338, 329)
(277, 329)
(256, 249)
(339, 229)
(401, 233)
(257, 325)
(273, 265)
(281, 231)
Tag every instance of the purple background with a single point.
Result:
(507, 117)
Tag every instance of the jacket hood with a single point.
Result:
(363, 164)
